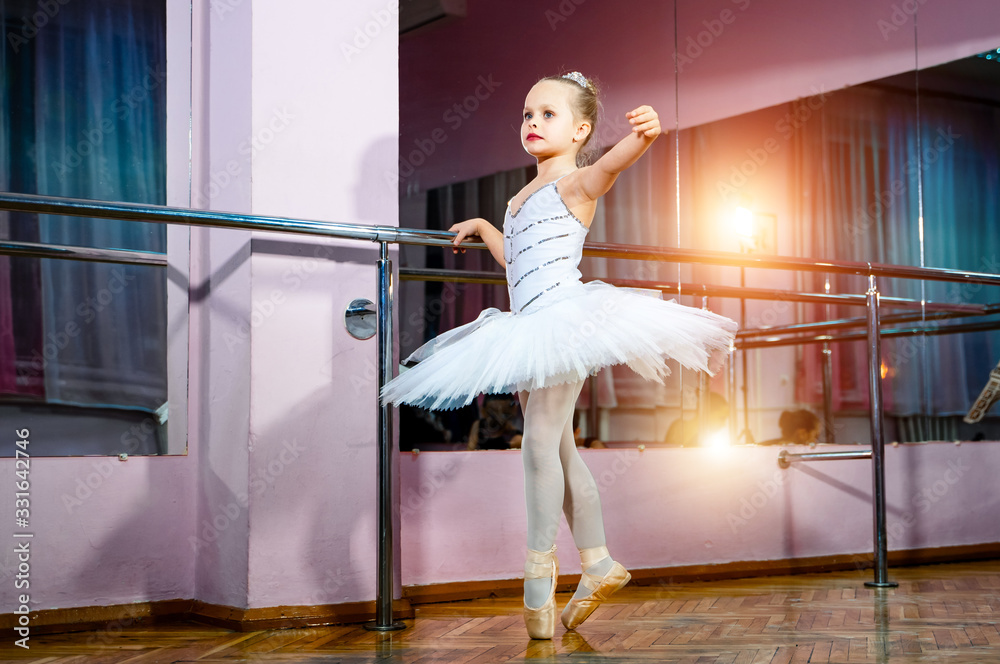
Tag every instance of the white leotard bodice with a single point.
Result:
(543, 245)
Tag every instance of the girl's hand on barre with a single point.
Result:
(464, 229)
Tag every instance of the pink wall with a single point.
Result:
(309, 386)
(667, 507)
(768, 52)
(219, 385)
(312, 522)
(107, 531)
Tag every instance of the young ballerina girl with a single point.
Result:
(558, 331)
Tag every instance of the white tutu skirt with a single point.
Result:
(566, 336)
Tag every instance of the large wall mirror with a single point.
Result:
(95, 105)
(898, 170)
(894, 162)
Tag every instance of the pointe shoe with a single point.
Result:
(541, 622)
(601, 587)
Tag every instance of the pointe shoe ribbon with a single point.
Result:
(600, 587)
(541, 622)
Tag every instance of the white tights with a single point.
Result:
(556, 480)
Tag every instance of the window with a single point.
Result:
(83, 345)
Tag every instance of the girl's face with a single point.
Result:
(549, 128)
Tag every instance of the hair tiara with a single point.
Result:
(576, 77)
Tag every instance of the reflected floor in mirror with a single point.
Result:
(939, 613)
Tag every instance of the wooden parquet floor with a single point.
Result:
(939, 613)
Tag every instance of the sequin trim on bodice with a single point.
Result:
(543, 245)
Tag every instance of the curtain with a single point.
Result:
(959, 142)
(862, 165)
(83, 115)
(861, 200)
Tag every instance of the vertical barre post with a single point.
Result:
(704, 398)
(386, 506)
(731, 392)
(745, 434)
(829, 435)
(878, 444)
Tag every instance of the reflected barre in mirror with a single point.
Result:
(899, 170)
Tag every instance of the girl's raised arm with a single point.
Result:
(595, 180)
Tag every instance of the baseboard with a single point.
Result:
(113, 618)
(109, 619)
(462, 590)
(283, 617)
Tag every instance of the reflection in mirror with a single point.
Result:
(959, 133)
(900, 170)
(882, 172)
(83, 362)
